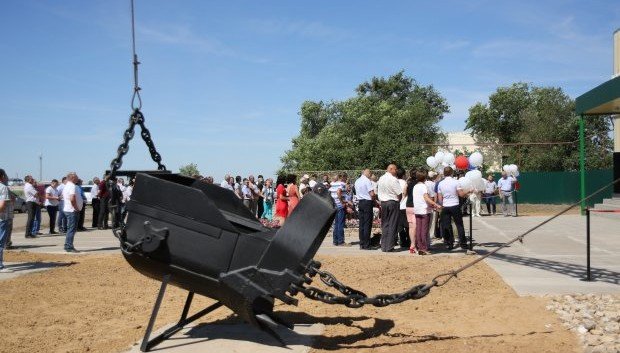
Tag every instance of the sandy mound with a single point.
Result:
(98, 303)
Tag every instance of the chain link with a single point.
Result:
(137, 118)
(353, 298)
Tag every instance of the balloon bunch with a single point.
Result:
(472, 181)
(443, 159)
(440, 160)
(511, 169)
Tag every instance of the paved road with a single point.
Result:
(552, 259)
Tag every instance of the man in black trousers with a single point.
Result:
(448, 194)
(365, 194)
(32, 204)
(390, 193)
(104, 198)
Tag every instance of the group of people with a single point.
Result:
(65, 203)
(264, 199)
(411, 207)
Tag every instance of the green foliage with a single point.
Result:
(523, 113)
(189, 170)
(385, 122)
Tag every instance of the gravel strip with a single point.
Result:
(594, 317)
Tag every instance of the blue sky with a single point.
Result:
(222, 81)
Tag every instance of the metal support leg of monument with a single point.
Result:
(148, 343)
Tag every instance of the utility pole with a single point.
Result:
(41, 166)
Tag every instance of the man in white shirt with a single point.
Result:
(506, 186)
(303, 185)
(62, 219)
(389, 194)
(94, 192)
(51, 204)
(226, 183)
(490, 187)
(32, 204)
(365, 193)
(448, 194)
(430, 185)
(72, 206)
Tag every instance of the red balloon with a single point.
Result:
(461, 162)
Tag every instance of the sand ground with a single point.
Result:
(99, 303)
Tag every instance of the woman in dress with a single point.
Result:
(292, 192)
(268, 198)
(281, 200)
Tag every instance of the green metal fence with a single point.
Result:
(562, 187)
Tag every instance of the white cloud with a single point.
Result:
(304, 29)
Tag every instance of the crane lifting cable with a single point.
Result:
(200, 237)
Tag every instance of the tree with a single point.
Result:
(389, 120)
(523, 113)
(189, 170)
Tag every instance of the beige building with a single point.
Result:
(463, 142)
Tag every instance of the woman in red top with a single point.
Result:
(293, 192)
(281, 200)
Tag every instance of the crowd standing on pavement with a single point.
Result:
(410, 207)
(65, 203)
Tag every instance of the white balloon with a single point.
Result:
(431, 162)
(448, 158)
(474, 175)
(513, 168)
(439, 156)
(506, 168)
(477, 173)
(466, 184)
(475, 159)
(444, 164)
(479, 184)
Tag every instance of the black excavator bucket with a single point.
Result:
(202, 238)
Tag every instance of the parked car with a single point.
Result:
(20, 203)
(89, 196)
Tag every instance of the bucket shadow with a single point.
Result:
(231, 328)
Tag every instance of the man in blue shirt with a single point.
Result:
(337, 189)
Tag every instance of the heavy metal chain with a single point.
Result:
(353, 298)
(135, 119)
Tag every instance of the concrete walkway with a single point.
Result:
(236, 338)
(552, 259)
